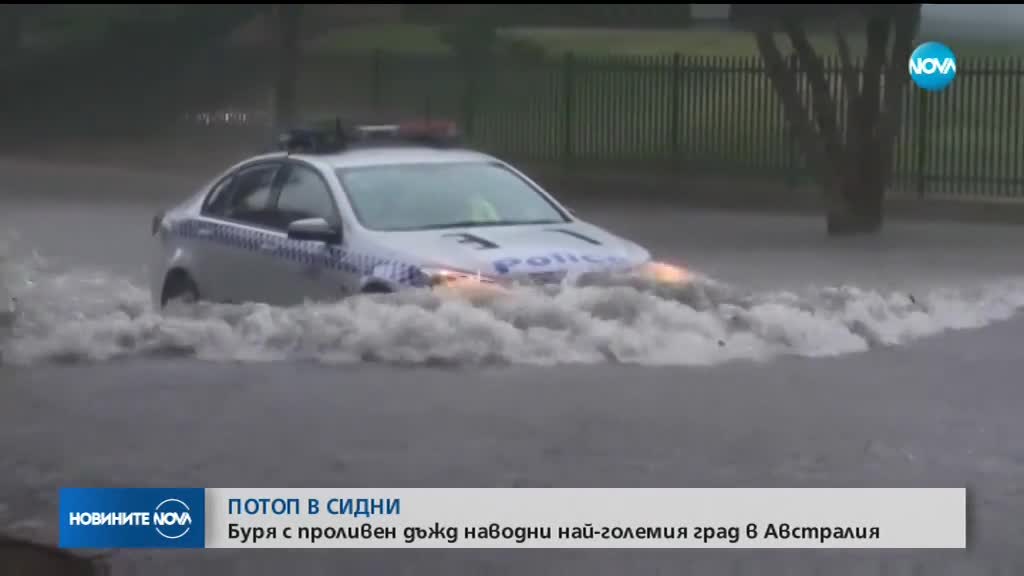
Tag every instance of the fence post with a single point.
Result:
(569, 87)
(376, 73)
(676, 89)
(469, 90)
(922, 141)
(1017, 73)
(793, 162)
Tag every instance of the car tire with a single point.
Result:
(377, 288)
(181, 287)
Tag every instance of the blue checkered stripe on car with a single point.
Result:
(303, 252)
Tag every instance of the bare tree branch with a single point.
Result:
(784, 82)
(877, 37)
(863, 116)
(853, 171)
(905, 24)
(11, 23)
(824, 107)
(850, 80)
(286, 53)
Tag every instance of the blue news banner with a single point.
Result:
(904, 518)
(132, 518)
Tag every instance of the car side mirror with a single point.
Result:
(316, 229)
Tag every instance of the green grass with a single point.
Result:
(407, 38)
(724, 42)
(696, 42)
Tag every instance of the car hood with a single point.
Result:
(540, 252)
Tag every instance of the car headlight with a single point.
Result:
(665, 273)
(448, 277)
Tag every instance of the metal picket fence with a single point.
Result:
(694, 114)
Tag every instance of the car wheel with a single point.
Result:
(377, 288)
(179, 287)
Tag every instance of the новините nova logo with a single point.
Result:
(132, 517)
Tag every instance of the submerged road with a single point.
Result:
(942, 411)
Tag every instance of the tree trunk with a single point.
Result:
(286, 59)
(862, 186)
(11, 20)
(905, 29)
(854, 171)
(861, 183)
(784, 81)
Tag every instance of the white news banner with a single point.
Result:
(586, 518)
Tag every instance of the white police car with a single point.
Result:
(375, 209)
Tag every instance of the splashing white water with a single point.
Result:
(92, 316)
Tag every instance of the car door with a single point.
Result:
(240, 235)
(308, 266)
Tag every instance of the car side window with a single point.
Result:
(250, 199)
(217, 200)
(305, 195)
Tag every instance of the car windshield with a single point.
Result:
(444, 195)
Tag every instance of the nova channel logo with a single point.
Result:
(172, 519)
(933, 66)
(132, 518)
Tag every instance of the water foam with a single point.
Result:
(88, 315)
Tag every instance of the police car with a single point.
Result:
(347, 210)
